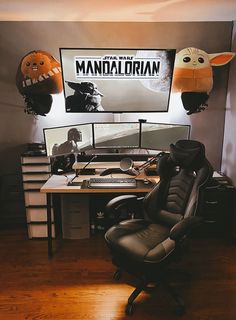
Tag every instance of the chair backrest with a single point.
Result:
(183, 172)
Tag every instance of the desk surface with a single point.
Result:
(58, 184)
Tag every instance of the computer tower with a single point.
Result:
(217, 208)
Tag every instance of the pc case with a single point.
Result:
(217, 207)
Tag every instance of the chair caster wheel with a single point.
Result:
(129, 310)
(180, 310)
(117, 275)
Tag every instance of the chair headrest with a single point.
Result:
(188, 154)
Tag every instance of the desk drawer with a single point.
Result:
(33, 185)
(35, 198)
(217, 209)
(34, 159)
(81, 231)
(36, 168)
(75, 216)
(39, 230)
(75, 209)
(36, 176)
(37, 214)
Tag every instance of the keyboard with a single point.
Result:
(112, 183)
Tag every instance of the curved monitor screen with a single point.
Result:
(117, 135)
(159, 136)
(117, 80)
(68, 139)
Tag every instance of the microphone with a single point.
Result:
(127, 166)
(85, 171)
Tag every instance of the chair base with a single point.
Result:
(163, 281)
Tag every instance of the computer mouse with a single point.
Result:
(146, 181)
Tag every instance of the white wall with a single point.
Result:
(18, 38)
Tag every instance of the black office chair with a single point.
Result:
(146, 247)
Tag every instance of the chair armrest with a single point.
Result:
(117, 202)
(122, 207)
(184, 227)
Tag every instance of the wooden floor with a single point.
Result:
(77, 284)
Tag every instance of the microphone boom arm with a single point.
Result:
(150, 161)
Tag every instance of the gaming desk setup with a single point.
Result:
(93, 160)
(107, 157)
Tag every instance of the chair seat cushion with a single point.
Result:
(140, 240)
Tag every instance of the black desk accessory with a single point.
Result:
(146, 181)
(84, 170)
(75, 183)
(150, 172)
(114, 170)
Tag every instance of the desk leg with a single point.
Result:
(49, 224)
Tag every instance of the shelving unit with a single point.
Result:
(35, 172)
